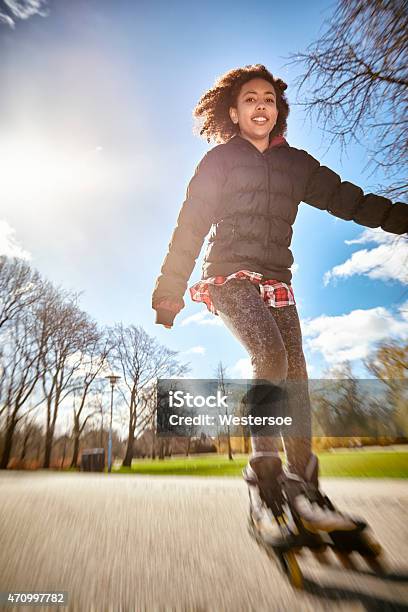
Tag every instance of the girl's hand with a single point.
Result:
(168, 326)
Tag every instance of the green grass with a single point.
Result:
(353, 464)
(365, 464)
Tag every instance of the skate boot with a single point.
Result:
(313, 512)
(263, 475)
(270, 522)
(315, 509)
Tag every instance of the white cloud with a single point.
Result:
(8, 243)
(404, 310)
(376, 235)
(241, 369)
(23, 9)
(198, 350)
(295, 268)
(7, 20)
(85, 364)
(203, 317)
(352, 336)
(388, 261)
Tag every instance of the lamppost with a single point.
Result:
(113, 380)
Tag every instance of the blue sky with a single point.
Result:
(97, 150)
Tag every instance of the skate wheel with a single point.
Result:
(321, 556)
(321, 549)
(344, 559)
(292, 569)
(374, 548)
(375, 565)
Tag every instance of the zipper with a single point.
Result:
(267, 203)
(264, 157)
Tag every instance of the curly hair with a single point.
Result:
(212, 110)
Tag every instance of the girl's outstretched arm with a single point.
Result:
(324, 189)
(193, 224)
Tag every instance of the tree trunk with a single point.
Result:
(48, 447)
(229, 446)
(246, 442)
(63, 453)
(161, 450)
(74, 462)
(8, 443)
(24, 449)
(49, 434)
(127, 462)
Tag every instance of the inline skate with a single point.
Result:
(288, 513)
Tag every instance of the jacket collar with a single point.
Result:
(276, 141)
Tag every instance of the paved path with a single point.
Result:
(123, 543)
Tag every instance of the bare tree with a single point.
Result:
(19, 287)
(390, 360)
(221, 373)
(345, 407)
(68, 332)
(93, 363)
(141, 360)
(389, 363)
(21, 369)
(355, 80)
(28, 428)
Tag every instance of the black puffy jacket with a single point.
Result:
(250, 201)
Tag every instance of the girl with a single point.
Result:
(247, 190)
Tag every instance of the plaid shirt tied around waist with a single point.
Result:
(274, 293)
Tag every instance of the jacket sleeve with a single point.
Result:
(325, 190)
(193, 224)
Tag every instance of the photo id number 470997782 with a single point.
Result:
(34, 598)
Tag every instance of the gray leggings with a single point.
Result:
(273, 339)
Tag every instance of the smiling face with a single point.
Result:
(255, 112)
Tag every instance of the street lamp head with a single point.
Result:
(113, 379)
